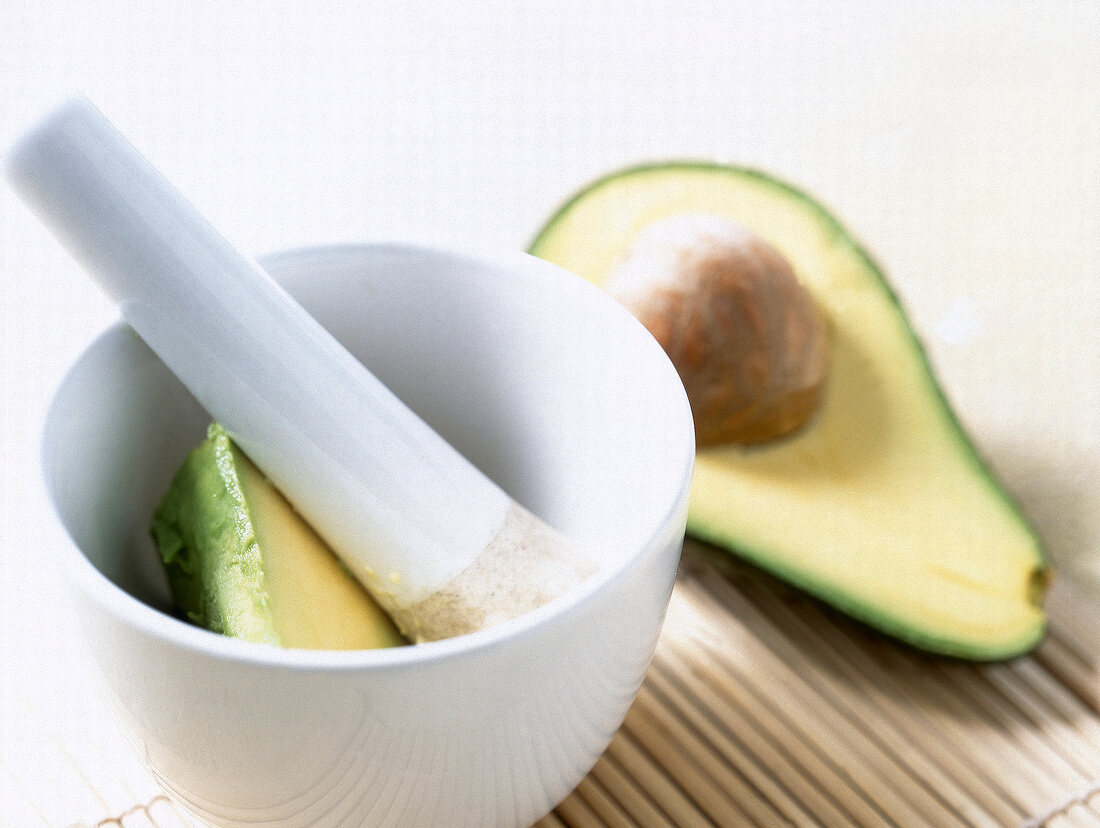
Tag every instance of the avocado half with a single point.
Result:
(881, 505)
(240, 561)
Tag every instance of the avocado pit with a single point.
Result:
(731, 314)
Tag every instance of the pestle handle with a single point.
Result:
(393, 499)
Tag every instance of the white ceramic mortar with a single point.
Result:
(555, 392)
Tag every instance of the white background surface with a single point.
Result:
(961, 142)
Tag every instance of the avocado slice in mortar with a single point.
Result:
(880, 504)
(240, 560)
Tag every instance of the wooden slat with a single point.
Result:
(550, 821)
(649, 725)
(741, 734)
(727, 750)
(629, 794)
(603, 805)
(576, 813)
(1045, 712)
(714, 783)
(652, 777)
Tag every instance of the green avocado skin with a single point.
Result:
(208, 544)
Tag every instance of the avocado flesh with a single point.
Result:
(240, 561)
(881, 505)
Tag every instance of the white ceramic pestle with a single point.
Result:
(440, 546)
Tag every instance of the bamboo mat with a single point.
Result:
(763, 707)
